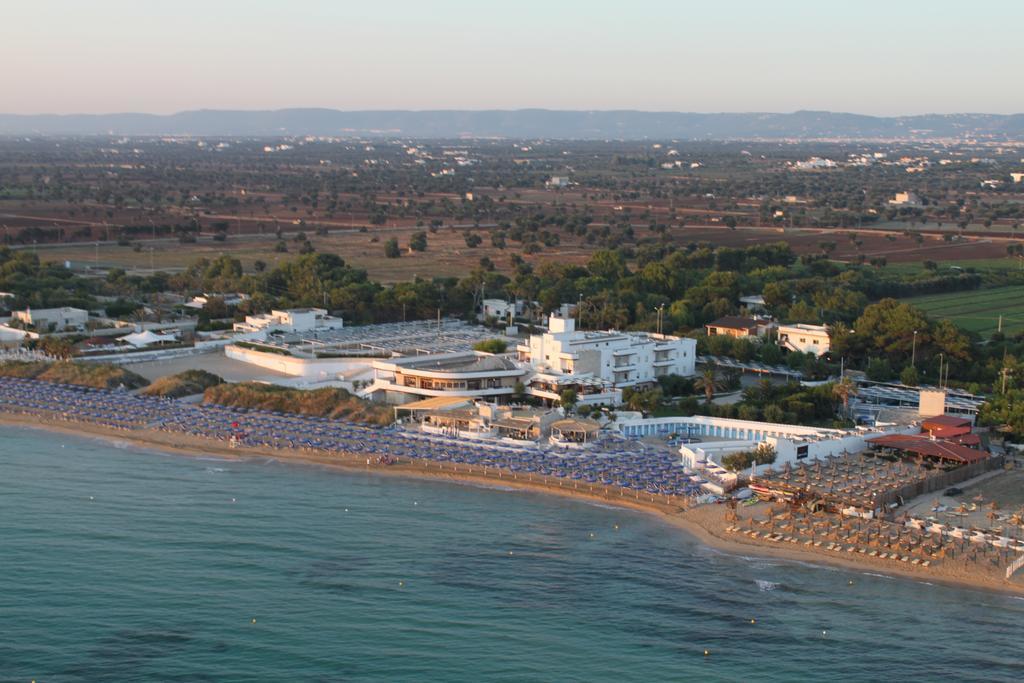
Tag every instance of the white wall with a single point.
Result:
(313, 370)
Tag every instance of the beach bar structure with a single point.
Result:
(574, 431)
(944, 453)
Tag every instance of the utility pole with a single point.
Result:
(1004, 373)
(1000, 323)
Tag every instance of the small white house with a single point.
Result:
(230, 299)
(805, 338)
(290, 320)
(59, 319)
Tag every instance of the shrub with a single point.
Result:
(491, 346)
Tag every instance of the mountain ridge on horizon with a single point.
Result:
(521, 123)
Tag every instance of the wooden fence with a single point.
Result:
(1014, 566)
(941, 481)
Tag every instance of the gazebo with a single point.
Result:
(574, 431)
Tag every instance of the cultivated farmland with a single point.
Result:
(978, 310)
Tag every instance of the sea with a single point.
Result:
(120, 563)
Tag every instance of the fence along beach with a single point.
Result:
(647, 481)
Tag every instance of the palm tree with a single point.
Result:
(708, 382)
(843, 390)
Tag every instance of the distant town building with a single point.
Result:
(905, 199)
(805, 338)
(1017, 177)
(814, 163)
(557, 182)
(738, 326)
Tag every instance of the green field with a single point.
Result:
(977, 310)
(990, 265)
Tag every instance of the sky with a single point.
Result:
(869, 56)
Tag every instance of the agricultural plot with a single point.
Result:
(978, 310)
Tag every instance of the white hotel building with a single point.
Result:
(623, 359)
(596, 365)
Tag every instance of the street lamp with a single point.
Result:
(913, 351)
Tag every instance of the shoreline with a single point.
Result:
(706, 524)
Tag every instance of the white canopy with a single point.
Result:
(146, 338)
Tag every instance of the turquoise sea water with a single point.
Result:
(118, 563)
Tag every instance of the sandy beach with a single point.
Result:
(707, 523)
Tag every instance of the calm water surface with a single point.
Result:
(118, 563)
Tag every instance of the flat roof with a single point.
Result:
(465, 363)
(434, 403)
(735, 322)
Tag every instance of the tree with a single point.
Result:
(844, 390)
(646, 401)
(491, 346)
(909, 376)
(418, 241)
(391, 249)
(708, 382)
(879, 370)
(568, 398)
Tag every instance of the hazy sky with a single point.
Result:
(866, 56)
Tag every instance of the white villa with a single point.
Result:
(805, 338)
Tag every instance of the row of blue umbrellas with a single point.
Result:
(613, 464)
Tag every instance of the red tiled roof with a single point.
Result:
(922, 445)
(945, 421)
(941, 432)
(967, 440)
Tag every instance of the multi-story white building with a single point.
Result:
(805, 338)
(290, 320)
(622, 358)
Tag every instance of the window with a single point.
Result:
(801, 452)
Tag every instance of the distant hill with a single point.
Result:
(521, 123)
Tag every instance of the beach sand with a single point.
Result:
(707, 523)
